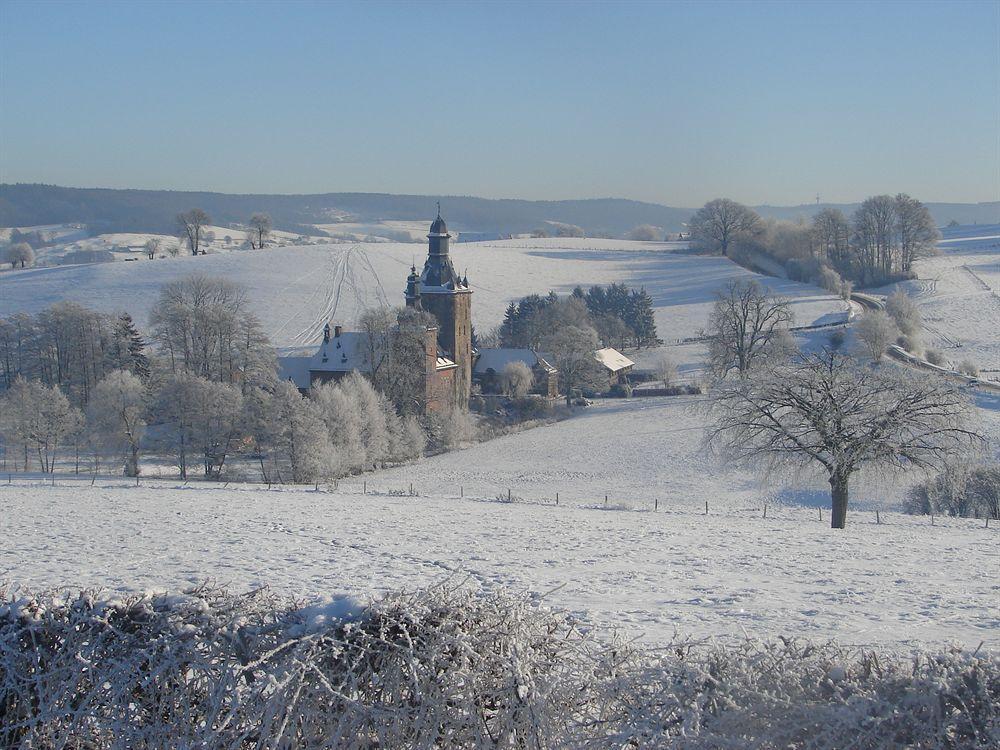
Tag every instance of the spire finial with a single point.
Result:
(439, 209)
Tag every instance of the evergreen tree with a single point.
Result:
(128, 348)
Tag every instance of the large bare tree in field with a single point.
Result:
(825, 409)
(260, 230)
(192, 225)
(721, 222)
(748, 325)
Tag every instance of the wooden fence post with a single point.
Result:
(557, 498)
(706, 507)
(364, 487)
(656, 503)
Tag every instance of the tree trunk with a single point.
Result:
(838, 495)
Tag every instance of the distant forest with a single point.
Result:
(105, 210)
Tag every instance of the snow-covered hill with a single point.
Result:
(297, 288)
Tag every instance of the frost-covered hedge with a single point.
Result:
(448, 668)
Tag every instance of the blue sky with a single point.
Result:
(675, 103)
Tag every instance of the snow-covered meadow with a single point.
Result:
(650, 561)
(650, 572)
(296, 289)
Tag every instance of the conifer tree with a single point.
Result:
(128, 347)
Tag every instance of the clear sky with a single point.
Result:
(675, 102)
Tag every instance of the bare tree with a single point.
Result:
(831, 236)
(516, 379)
(573, 349)
(824, 409)
(876, 331)
(665, 369)
(192, 225)
(152, 247)
(916, 230)
(20, 253)
(721, 222)
(748, 325)
(260, 226)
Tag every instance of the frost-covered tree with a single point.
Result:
(875, 332)
(192, 227)
(39, 419)
(20, 254)
(342, 417)
(152, 247)
(200, 419)
(301, 449)
(205, 326)
(516, 379)
(645, 233)
(831, 237)
(116, 416)
(904, 311)
(260, 230)
(825, 410)
(748, 326)
(573, 349)
(371, 416)
(916, 231)
(665, 369)
(722, 222)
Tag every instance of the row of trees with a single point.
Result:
(620, 316)
(341, 429)
(69, 346)
(782, 410)
(878, 243)
(200, 326)
(192, 227)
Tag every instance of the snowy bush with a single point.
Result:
(935, 357)
(962, 489)
(448, 668)
(968, 367)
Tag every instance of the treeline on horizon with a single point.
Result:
(105, 210)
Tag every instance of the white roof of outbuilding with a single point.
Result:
(497, 359)
(613, 359)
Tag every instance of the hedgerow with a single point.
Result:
(448, 667)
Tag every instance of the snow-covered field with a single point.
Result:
(651, 572)
(957, 292)
(296, 289)
(727, 573)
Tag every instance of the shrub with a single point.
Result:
(960, 490)
(529, 408)
(909, 343)
(904, 311)
(935, 357)
(449, 668)
(645, 233)
(968, 367)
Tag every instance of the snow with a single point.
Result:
(958, 297)
(624, 565)
(297, 289)
(613, 359)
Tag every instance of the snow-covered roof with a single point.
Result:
(613, 359)
(342, 353)
(497, 359)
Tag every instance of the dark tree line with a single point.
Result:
(70, 347)
(622, 317)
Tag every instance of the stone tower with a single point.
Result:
(447, 296)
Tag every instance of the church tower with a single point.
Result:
(443, 293)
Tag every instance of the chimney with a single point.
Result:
(337, 330)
